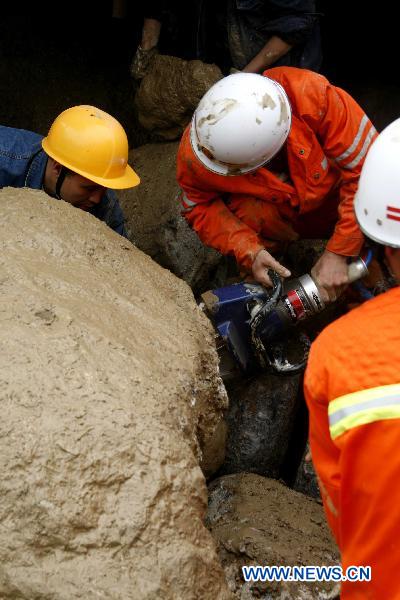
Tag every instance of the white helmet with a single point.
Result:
(240, 123)
(377, 201)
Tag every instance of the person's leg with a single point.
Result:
(266, 219)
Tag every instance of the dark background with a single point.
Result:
(53, 56)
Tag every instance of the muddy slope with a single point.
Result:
(153, 219)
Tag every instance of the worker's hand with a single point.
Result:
(330, 275)
(264, 261)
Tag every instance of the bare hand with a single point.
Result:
(264, 261)
(330, 275)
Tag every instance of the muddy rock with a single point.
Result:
(170, 92)
(259, 521)
(154, 223)
(261, 417)
(109, 388)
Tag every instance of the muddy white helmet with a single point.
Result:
(240, 123)
(377, 201)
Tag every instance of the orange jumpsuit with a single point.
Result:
(326, 147)
(352, 389)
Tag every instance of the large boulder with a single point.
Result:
(154, 223)
(259, 521)
(170, 92)
(261, 421)
(109, 388)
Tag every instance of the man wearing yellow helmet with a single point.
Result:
(83, 158)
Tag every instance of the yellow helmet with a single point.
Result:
(91, 142)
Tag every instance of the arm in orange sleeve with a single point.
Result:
(346, 134)
(207, 213)
(218, 227)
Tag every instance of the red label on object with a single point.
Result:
(297, 304)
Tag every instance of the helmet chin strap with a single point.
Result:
(60, 180)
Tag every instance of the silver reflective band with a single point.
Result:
(363, 150)
(188, 202)
(356, 140)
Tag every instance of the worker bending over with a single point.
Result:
(84, 154)
(269, 159)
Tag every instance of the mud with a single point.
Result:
(154, 222)
(261, 419)
(170, 92)
(259, 521)
(110, 394)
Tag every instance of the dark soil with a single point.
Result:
(55, 57)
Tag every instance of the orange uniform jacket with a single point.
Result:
(327, 144)
(352, 388)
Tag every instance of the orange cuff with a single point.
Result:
(246, 257)
(345, 245)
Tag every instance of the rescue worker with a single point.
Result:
(273, 33)
(240, 34)
(84, 153)
(271, 158)
(352, 389)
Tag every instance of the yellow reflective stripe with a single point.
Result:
(363, 396)
(363, 418)
(363, 407)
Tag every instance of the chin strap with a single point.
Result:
(60, 181)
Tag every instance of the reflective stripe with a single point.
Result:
(363, 150)
(189, 203)
(364, 407)
(356, 140)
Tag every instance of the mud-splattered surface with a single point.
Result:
(153, 219)
(258, 521)
(170, 92)
(109, 379)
